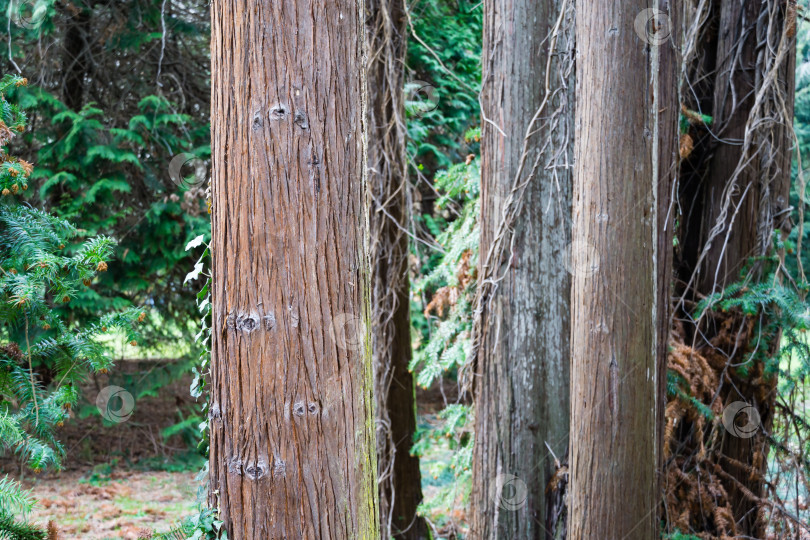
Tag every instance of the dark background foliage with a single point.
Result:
(112, 100)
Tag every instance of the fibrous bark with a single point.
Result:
(736, 181)
(626, 154)
(291, 419)
(522, 326)
(398, 471)
(733, 195)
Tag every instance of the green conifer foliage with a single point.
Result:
(44, 264)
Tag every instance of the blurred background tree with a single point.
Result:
(117, 90)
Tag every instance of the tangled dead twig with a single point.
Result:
(551, 157)
(737, 69)
(697, 481)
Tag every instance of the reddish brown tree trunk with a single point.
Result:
(626, 154)
(398, 471)
(75, 56)
(292, 440)
(734, 193)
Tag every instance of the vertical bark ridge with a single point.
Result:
(398, 471)
(522, 319)
(292, 440)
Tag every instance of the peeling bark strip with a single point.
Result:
(626, 152)
(522, 398)
(292, 439)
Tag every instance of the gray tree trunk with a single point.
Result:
(522, 333)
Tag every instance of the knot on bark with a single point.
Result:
(256, 471)
(269, 321)
(257, 122)
(278, 112)
(235, 466)
(247, 323)
(298, 409)
(300, 119)
(215, 413)
(243, 322)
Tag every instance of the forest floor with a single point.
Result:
(122, 480)
(124, 505)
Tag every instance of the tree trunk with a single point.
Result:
(522, 384)
(734, 93)
(292, 440)
(734, 195)
(75, 61)
(626, 156)
(400, 481)
(730, 74)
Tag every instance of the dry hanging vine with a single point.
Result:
(740, 312)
